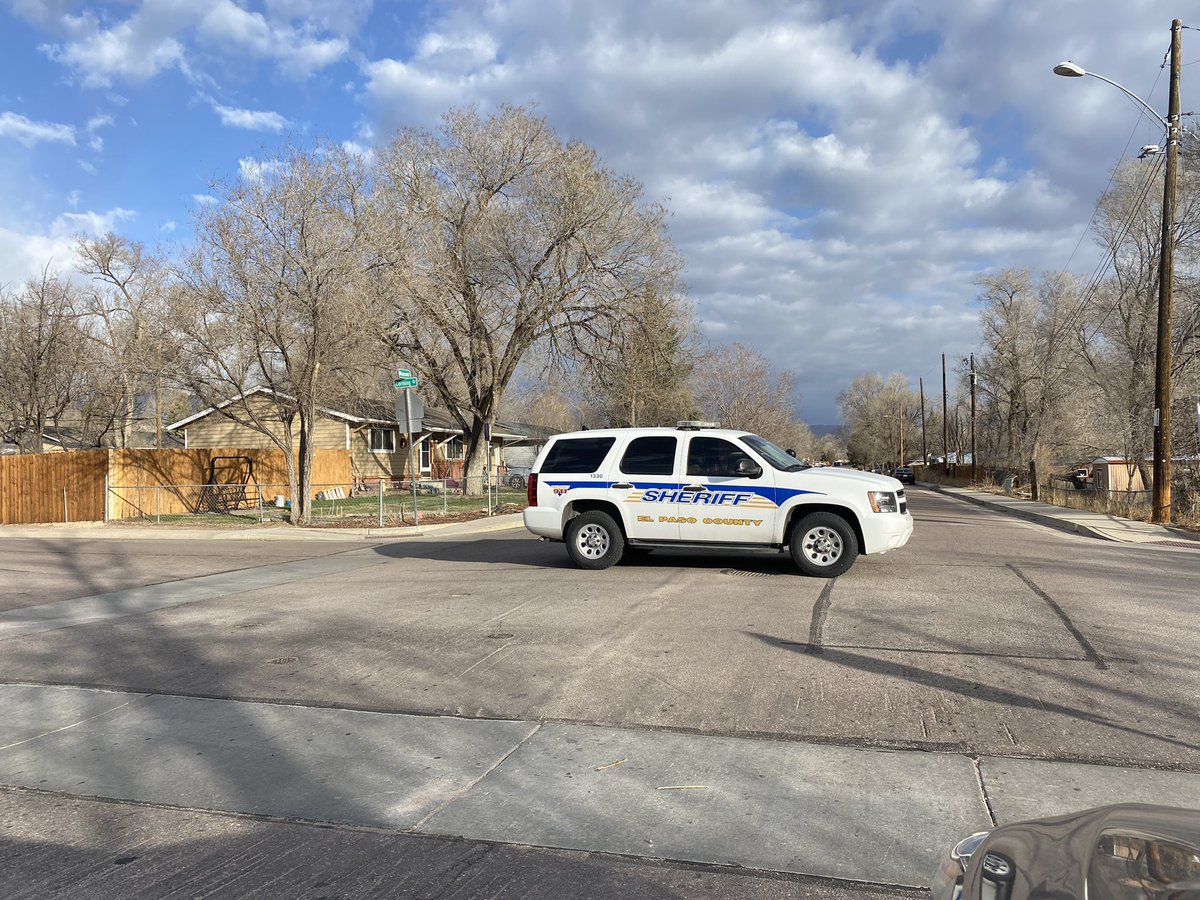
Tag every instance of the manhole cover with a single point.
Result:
(283, 660)
(745, 574)
(500, 635)
(250, 625)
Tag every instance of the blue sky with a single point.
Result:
(838, 172)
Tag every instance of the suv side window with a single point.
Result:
(714, 457)
(650, 456)
(577, 454)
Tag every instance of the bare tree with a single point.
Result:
(272, 295)
(40, 351)
(123, 315)
(643, 376)
(879, 417)
(493, 236)
(740, 388)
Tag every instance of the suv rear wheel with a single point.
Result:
(823, 544)
(594, 540)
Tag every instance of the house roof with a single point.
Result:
(365, 412)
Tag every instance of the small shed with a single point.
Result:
(1116, 473)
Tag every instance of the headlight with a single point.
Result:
(883, 501)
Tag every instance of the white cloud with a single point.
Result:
(134, 50)
(204, 199)
(297, 52)
(24, 253)
(252, 119)
(252, 169)
(28, 132)
(73, 199)
(96, 143)
(364, 152)
(834, 169)
(98, 121)
(87, 167)
(168, 227)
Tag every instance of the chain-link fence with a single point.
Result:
(367, 504)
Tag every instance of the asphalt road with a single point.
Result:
(985, 635)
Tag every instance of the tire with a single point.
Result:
(594, 540)
(823, 544)
(516, 481)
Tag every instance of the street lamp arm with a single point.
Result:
(1072, 70)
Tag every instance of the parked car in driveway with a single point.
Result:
(905, 475)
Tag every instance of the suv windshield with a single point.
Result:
(779, 459)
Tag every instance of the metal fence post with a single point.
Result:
(66, 513)
(380, 502)
(260, 509)
(158, 504)
(105, 496)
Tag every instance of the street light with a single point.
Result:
(1166, 271)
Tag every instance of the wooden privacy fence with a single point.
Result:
(53, 487)
(70, 486)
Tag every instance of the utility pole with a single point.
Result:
(924, 447)
(901, 432)
(974, 471)
(1166, 275)
(945, 422)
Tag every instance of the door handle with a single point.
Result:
(694, 489)
(623, 486)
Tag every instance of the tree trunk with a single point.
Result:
(475, 464)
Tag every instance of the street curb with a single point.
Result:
(1028, 515)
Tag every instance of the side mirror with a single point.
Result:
(791, 452)
(748, 468)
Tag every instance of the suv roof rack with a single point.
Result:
(695, 425)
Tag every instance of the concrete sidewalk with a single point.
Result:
(255, 532)
(869, 815)
(1077, 521)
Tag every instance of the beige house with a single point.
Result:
(370, 433)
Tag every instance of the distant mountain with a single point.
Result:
(822, 430)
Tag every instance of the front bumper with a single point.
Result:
(886, 531)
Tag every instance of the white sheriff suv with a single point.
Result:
(614, 491)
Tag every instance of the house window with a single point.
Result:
(424, 447)
(383, 440)
(454, 448)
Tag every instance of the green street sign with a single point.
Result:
(401, 383)
(404, 373)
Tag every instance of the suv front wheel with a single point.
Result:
(594, 540)
(823, 544)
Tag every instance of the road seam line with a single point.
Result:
(466, 790)
(977, 765)
(38, 737)
(816, 628)
(1083, 642)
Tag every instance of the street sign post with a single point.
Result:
(409, 415)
